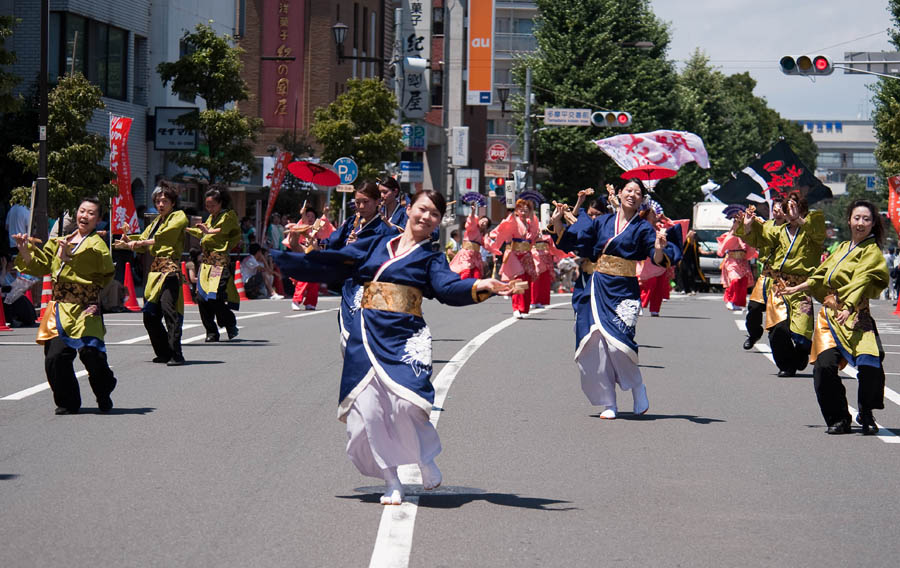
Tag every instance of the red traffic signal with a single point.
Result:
(499, 182)
(611, 119)
(805, 65)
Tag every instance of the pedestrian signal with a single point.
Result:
(805, 65)
(611, 118)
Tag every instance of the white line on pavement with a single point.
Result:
(222, 330)
(395, 531)
(37, 388)
(311, 313)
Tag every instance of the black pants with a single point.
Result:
(58, 359)
(755, 311)
(788, 356)
(166, 340)
(830, 390)
(217, 310)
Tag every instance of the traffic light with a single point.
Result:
(499, 183)
(804, 65)
(611, 118)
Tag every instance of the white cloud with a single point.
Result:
(752, 35)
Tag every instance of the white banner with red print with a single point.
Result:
(123, 210)
(664, 148)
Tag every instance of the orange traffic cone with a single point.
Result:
(3, 326)
(46, 295)
(897, 309)
(131, 303)
(239, 281)
(185, 288)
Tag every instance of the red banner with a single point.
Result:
(893, 212)
(278, 173)
(123, 210)
(283, 67)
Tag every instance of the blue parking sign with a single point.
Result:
(347, 169)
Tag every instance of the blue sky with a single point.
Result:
(752, 35)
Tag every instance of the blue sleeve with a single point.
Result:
(446, 286)
(675, 244)
(325, 265)
(579, 237)
(338, 238)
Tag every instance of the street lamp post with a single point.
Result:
(339, 32)
(503, 95)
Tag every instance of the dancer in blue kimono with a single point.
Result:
(386, 394)
(365, 223)
(393, 208)
(606, 351)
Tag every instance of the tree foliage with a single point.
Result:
(581, 62)
(74, 157)
(886, 116)
(211, 70)
(8, 81)
(358, 125)
(735, 126)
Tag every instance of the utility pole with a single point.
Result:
(42, 186)
(526, 150)
(454, 53)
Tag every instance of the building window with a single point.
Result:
(491, 127)
(818, 127)
(437, 20)
(864, 160)
(97, 50)
(829, 159)
(523, 26)
(355, 26)
(437, 88)
(839, 127)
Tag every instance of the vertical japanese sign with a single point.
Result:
(123, 210)
(480, 87)
(415, 41)
(278, 174)
(283, 26)
(894, 201)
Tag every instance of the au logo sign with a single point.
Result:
(480, 86)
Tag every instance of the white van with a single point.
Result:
(709, 222)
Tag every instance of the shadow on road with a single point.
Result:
(453, 497)
(199, 362)
(140, 411)
(652, 417)
(8, 476)
(436, 340)
(652, 366)
(684, 317)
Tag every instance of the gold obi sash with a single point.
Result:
(615, 266)
(737, 254)
(520, 246)
(543, 247)
(392, 297)
(783, 278)
(469, 245)
(863, 319)
(214, 258)
(76, 293)
(164, 264)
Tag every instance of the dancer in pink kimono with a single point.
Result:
(737, 276)
(545, 255)
(519, 231)
(468, 262)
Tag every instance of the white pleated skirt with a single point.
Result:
(385, 430)
(603, 366)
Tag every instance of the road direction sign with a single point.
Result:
(347, 169)
(567, 116)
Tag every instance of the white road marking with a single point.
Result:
(37, 388)
(44, 386)
(311, 313)
(884, 435)
(395, 531)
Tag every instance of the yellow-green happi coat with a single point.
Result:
(217, 245)
(761, 288)
(79, 280)
(853, 275)
(795, 257)
(168, 242)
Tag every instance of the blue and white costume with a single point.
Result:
(351, 291)
(386, 393)
(607, 312)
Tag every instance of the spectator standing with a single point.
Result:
(16, 222)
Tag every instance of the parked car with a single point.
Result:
(708, 223)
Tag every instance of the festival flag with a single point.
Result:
(893, 212)
(278, 173)
(664, 148)
(123, 210)
(772, 175)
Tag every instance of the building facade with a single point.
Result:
(846, 147)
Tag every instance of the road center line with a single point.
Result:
(311, 313)
(395, 531)
(37, 388)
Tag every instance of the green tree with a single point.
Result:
(581, 62)
(8, 81)
(735, 126)
(211, 70)
(74, 157)
(359, 125)
(886, 100)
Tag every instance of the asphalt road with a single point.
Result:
(237, 458)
